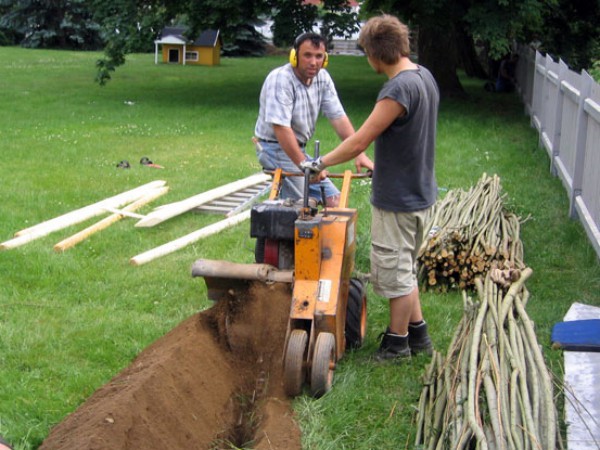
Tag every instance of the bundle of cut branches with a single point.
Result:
(493, 389)
(471, 233)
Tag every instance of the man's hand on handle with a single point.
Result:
(314, 165)
(362, 161)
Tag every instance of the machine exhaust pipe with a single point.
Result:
(227, 269)
(222, 276)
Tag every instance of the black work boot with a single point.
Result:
(392, 347)
(419, 340)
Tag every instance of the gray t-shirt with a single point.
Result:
(404, 176)
(286, 101)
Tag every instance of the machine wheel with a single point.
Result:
(259, 250)
(323, 365)
(356, 314)
(278, 253)
(294, 369)
(266, 251)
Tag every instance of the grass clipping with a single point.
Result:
(471, 234)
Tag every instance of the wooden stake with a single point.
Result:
(124, 212)
(78, 216)
(177, 244)
(165, 212)
(108, 221)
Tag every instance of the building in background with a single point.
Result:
(177, 49)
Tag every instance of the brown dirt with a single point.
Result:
(214, 382)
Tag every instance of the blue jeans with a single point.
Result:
(272, 157)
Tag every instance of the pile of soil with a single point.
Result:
(214, 382)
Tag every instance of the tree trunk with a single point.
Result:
(467, 56)
(437, 52)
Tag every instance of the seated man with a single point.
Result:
(506, 75)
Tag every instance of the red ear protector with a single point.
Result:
(294, 50)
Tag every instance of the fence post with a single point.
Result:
(545, 114)
(580, 141)
(531, 55)
(539, 73)
(562, 71)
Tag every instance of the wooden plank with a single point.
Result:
(166, 212)
(188, 239)
(108, 221)
(125, 212)
(87, 212)
(80, 215)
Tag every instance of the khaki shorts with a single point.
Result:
(395, 242)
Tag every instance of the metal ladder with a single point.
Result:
(235, 202)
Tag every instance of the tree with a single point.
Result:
(65, 24)
(248, 42)
(573, 33)
(126, 20)
(447, 30)
(337, 19)
(231, 17)
(291, 18)
(7, 35)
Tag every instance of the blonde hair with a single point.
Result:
(385, 38)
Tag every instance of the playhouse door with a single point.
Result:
(173, 55)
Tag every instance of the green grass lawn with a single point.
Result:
(69, 322)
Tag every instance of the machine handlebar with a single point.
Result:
(368, 174)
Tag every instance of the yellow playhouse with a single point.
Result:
(177, 49)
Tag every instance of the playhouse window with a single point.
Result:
(191, 56)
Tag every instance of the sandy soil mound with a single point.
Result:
(214, 382)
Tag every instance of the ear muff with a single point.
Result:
(294, 59)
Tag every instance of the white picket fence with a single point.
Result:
(564, 107)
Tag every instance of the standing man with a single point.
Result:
(403, 125)
(291, 99)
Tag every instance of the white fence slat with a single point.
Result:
(592, 108)
(580, 146)
(564, 107)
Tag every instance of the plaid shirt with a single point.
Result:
(286, 101)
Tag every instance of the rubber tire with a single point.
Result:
(356, 315)
(294, 368)
(285, 253)
(323, 365)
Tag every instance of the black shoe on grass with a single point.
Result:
(419, 340)
(393, 347)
